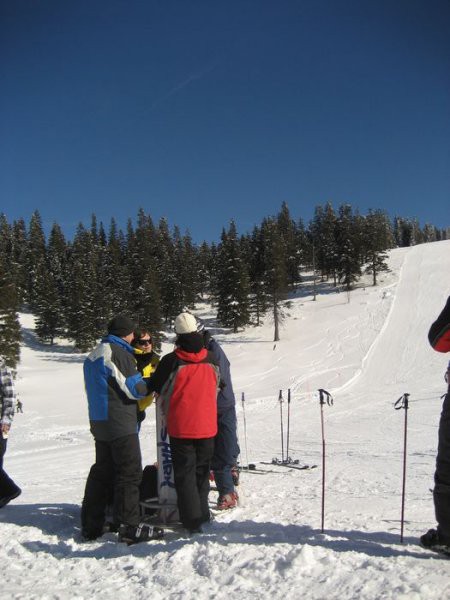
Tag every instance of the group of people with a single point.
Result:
(193, 383)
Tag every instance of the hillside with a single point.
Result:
(367, 349)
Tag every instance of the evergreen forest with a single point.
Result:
(152, 271)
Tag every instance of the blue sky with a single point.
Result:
(205, 111)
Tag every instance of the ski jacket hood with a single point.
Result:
(114, 339)
(192, 357)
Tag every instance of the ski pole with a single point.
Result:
(288, 424)
(280, 398)
(402, 402)
(245, 428)
(329, 400)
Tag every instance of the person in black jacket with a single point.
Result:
(439, 539)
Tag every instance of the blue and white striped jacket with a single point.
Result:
(113, 385)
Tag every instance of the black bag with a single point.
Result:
(149, 485)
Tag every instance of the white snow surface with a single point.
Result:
(368, 349)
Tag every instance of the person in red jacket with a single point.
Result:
(187, 379)
(438, 539)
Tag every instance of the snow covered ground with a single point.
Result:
(366, 349)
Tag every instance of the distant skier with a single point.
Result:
(226, 448)
(439, 539)
(8, 489)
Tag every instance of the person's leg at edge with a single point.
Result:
(441, 493)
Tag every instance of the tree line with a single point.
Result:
(152, 271)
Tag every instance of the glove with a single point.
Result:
(144, 403)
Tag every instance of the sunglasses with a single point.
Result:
(146, 342)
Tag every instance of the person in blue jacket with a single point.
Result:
(113, 387)
(226, 447)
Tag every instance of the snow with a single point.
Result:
(368, 349)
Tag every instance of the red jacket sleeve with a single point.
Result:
(439, 334)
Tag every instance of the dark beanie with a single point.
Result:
(121, 326)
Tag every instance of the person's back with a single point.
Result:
(187, 380)
(192, 391)
(112, 385)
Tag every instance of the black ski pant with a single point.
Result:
(441, 493)
(226, 450)
(191, 461)
(7, 485)
(117, 472)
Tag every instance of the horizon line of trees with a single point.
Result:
(152, 272)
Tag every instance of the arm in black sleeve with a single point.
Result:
(156, 382)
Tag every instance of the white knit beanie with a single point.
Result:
(185, 323)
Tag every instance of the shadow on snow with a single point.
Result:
(62, 520)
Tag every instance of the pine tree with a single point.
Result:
(36, 255)
(275, 275)
(10, 335)
(167, 270)
(204, 260)
(145, 297)
(5, 240)
(430, 233)
(116, 278)
(288, 231)
(255, 258)
(213, 273)
(233, 282)
(81, 311)
(19, 259)
(48, 308)
(186, 268)
(378, 238)
(348, 245)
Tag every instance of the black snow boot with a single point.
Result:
(432, 541)
(141, 533)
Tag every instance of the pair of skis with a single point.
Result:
(286, 461)
(294, 465)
